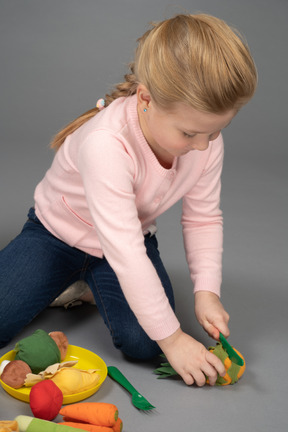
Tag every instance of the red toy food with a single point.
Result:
(45, 400)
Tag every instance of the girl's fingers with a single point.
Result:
(216, 363)
(214, 330)
(200, 379)
(209, 369)
(222, 327)
(210, 373)
(188, 379)
(225, 331)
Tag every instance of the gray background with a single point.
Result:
(57, 58)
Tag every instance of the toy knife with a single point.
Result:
(232, 354)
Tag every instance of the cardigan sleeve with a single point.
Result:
(108, 172)
(202, 224)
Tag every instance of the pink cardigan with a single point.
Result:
(106, 188)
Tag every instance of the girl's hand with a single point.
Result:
(211, 314)
(191, 360)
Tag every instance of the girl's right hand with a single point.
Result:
(190, 359)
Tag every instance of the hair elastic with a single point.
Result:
(100, 104)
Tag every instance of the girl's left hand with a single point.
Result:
(211, 314)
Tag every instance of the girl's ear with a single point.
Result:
(143, 97)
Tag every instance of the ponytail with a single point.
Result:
(71, 127)
(126, 88)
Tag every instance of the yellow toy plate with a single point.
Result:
(86, 360)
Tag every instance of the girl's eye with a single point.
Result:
(188, 135)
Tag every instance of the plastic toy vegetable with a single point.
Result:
(95, 413)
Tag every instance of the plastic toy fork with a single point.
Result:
(137, 399)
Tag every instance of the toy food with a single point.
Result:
(31, 424)
(92, 416)
(8, 426)
(38, 350)
(98, 413)
(118, 426)
(45, 400)
(90, 427)
(72, 380)
(3, 364)
(14, 373)
(233, 371)
(69, 380)
(62, 342)
(49, 372)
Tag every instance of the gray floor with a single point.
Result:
(57, 59)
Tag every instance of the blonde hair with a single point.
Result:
(198, 60)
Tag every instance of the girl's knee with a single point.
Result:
(137, 345)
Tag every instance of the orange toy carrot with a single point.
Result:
(118, 426)
(97, 413)
(88, 427)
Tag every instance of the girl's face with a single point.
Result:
(174, 133)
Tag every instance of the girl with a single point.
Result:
(158, 140)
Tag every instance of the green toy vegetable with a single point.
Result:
(38, 350)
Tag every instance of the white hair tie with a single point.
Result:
(100, 104)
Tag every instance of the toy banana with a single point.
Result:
(71, 380)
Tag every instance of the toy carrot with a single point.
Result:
(88, 427)
(118, 426)
(97, 413)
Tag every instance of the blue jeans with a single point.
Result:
(36, 267)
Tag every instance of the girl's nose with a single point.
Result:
(203, 141)
(202, 144)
